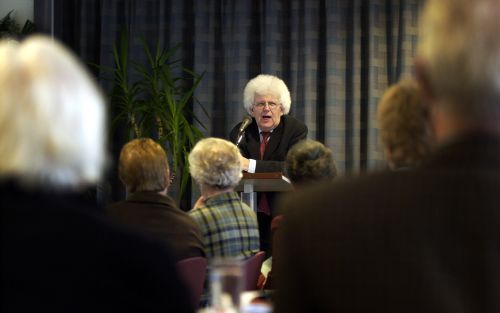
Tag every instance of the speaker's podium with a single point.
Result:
(251, 183)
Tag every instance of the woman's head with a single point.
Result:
(52, 116)
(405, 125)
(216, 163)
(309, 161)
(144, 166)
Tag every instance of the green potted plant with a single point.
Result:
(156, 105)
(10, 28)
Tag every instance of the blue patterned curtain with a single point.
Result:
(337, 57)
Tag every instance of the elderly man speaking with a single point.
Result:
(269, 136)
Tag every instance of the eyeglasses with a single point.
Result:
(262, 105)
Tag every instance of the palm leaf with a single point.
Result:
(157, 104)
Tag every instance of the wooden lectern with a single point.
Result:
(251, 183)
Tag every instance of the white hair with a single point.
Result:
(52, 125)
(215, 162)
(460, 48)
(266, 85)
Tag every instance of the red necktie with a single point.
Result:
(263, 143)
(263, 203)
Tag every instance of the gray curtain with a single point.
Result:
(337, 57)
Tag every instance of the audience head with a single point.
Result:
(144, 166)
(405, 127)
(266, 98)
(309, 161)
(52, 116)
(458, 64)
(215, 163)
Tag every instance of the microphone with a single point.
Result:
(247, 120)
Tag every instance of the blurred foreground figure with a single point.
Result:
(57, 256)
(405, 125)
(426, 240)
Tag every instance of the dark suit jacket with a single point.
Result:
(424, 240)
(58, 257)
(285, 135)
(158, 216)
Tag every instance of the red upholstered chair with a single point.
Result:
(192, 272)
(251, 269)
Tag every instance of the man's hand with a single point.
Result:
(199, 203)
(244, 163)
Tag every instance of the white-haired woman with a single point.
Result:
(229, 226)
(267, 139)
(57, 255)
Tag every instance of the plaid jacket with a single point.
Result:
(229, 227)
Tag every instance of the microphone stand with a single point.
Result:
(247, 120)
(240, 136)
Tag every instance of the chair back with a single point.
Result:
(251, 269)
(192, 272)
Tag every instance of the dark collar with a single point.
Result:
(152, 197)
(472, 150)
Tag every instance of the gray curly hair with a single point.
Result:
(215, 162)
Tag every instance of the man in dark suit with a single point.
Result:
(423, 240)
(267, 139)
(144, 170)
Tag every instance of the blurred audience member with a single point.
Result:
(144, 171)
(228, 225)
(57, 256)
(405, 125)
(307, 162)
(425, 240)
